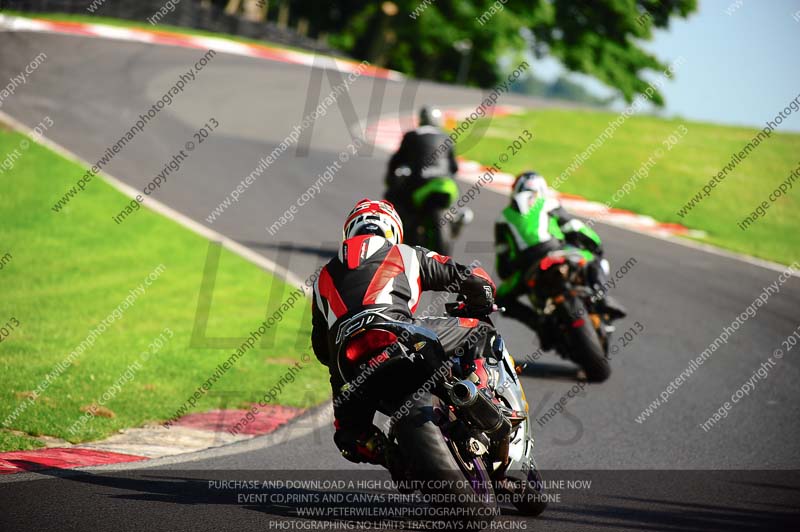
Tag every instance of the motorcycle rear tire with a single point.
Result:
(585, 348)
(434, 231)
(426, 449)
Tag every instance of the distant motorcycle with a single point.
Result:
(568, 311)
(464, 436)
(428, 224)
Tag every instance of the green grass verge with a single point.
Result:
(124, 23)
(62, 274)
(17, 442)
(673, 179)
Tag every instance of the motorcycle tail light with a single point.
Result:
(577, 323)
(547, 262)
(368, 342)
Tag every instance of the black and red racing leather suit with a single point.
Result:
(371, 272)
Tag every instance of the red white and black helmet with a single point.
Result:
(376, 217)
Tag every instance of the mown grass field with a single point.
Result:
(671, 180)
(69, 271)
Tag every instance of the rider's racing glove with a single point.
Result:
(478, 290)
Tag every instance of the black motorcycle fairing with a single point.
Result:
(399, 369)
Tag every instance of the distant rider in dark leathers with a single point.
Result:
(425, 153)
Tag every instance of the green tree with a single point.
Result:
(600, 38)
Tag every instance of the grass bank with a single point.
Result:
(65, 274)
(666, 182)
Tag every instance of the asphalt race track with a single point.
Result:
(94, 90)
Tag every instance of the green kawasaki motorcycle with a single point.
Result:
(429, 218)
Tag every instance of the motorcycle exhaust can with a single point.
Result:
(479, 409)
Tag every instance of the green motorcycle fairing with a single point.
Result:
(437, 185)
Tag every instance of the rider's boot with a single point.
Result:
(612, 307)
(372, 446)
(598, 275)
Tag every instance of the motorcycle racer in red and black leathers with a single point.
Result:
(375, 270)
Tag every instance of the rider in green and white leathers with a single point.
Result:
(527, 230)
